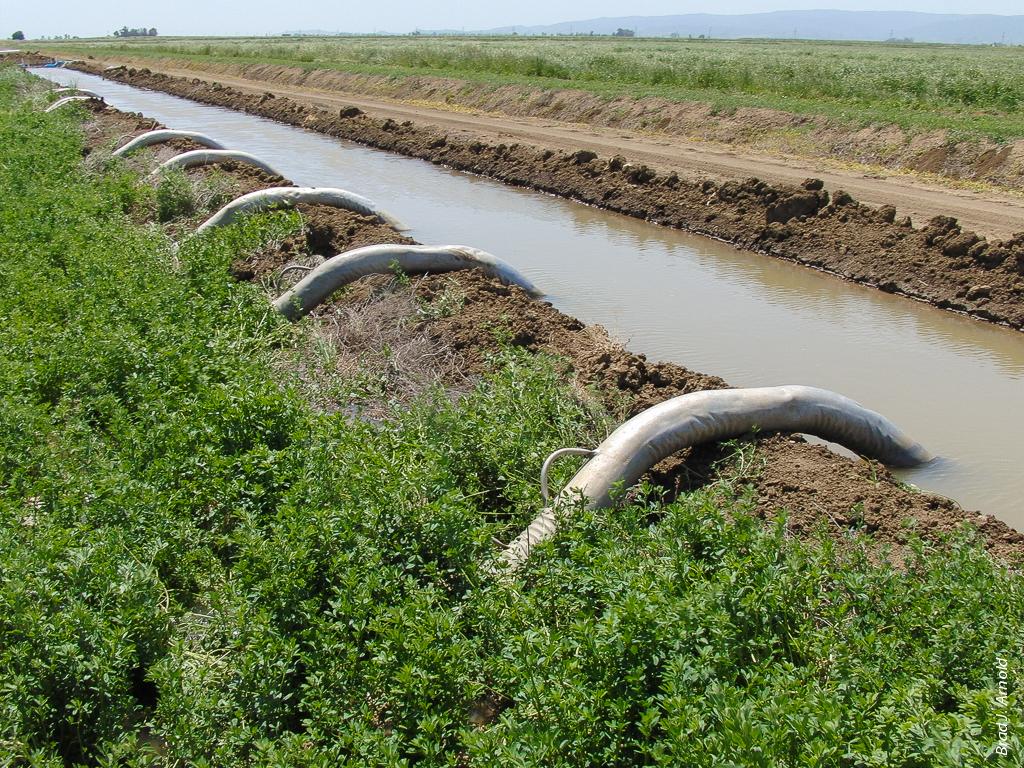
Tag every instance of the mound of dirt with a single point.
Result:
(25, 58)
(812, 484)
(247, 177)
(809, 482)
(491, 314)
(326, 232)
(109, 127)
(951, 268)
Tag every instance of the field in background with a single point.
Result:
(974, 91)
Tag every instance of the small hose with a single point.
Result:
(293, 268)
(545, 496)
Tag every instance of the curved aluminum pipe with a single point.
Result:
(165, 134)
(208, 156)
(700, 417)
(344, 268)
(79, 91)
(291, 196)
(68, 100)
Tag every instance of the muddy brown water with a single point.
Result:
(956, 385)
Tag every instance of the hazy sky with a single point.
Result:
(257, 17)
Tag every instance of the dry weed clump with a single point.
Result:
(370, 352)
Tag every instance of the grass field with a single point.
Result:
(973, 90)
(198, 567)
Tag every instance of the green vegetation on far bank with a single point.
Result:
(975, 91)
(197, 567)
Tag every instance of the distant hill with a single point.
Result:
(311, 33)
(817, 25)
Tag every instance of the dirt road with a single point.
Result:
(990, 214)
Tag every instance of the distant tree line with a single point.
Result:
(140, 32)
(19, 35)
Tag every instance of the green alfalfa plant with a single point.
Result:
(175, 196)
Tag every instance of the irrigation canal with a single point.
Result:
(956, 385)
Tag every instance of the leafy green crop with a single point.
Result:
(199, 568)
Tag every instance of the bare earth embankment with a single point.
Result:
(453, 318)
(753, 141)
